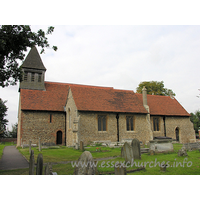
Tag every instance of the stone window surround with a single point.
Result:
(102, 115)
(156, 120)
(133, 118)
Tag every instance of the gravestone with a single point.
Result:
(29, 146)
(31, 163)
(120, 170)
(86, 165)
(48, 169)
(76, 146)
(136, 148)
(39, 144)
(191, 146)
(122, 152)
(39, 168)
(81, 146)
(128, 153)
(182, 152)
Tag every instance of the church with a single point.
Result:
(65, 114)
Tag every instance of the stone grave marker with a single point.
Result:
(39, 144)
(39, 168)
(135, 144)
(81, 146)
(31, 163)
(29, 146)
(120, 170)
(182, 152)
(122, 152)
(85, 165)
(48, 169)
(128, 153)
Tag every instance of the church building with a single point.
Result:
(65, 114)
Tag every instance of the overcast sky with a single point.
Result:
(121, 57)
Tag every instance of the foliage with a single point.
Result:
(195, 119)
(14, 40)
(3, 121)
(12, 133)
(154, 87)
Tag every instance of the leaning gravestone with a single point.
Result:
(81, 146)
(48, 169)
(39, 168)
(29, 146)
(120, 170)
(85, 164)
(128, 153)
(39, 144)
(135, 144)
(31, 163)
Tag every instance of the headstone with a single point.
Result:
(81, 146)
(182, 152)
(29, 146)
(76, 146)
(152, 152)
(163, 168)
(39, 144)
(86, 165)
(136, 148)
(192, 146)
(120, 170)
(31, 163)
(39, 168)
(128, 153)
(122, 152)
(48, 169)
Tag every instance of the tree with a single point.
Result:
(154, 87)
(13, 132)
(195, 119)
(14, 40)
(3, 121)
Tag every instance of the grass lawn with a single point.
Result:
(189, 165)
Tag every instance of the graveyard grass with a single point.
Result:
(63, 154)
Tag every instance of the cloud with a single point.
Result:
(122, 57)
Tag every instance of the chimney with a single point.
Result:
(144, 95)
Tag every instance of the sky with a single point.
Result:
(121, 56)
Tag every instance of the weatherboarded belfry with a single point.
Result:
(65, 114)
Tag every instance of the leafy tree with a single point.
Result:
(3, 121)
(13, 132)
(154, 87)
(195, 119)
(14, 40)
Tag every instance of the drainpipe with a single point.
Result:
(117, 117)
(164, 126)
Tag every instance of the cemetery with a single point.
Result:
(126, 158)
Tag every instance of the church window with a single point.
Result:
(39, 77)
(129, 123)
(50, 120)
(156, 124)
(32, 77)
(25, 76)
(102, 123)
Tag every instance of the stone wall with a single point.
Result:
(35, 125)
(186, 128)
(88, 130)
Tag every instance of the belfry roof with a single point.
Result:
(33, 60)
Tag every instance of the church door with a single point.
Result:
(177, 134)
(59, 137)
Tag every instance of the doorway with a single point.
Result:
(59, 137)
(177, 134)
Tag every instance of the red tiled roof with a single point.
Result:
(53, 99)
(106, 100)
(94, 98)
(164, 105)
